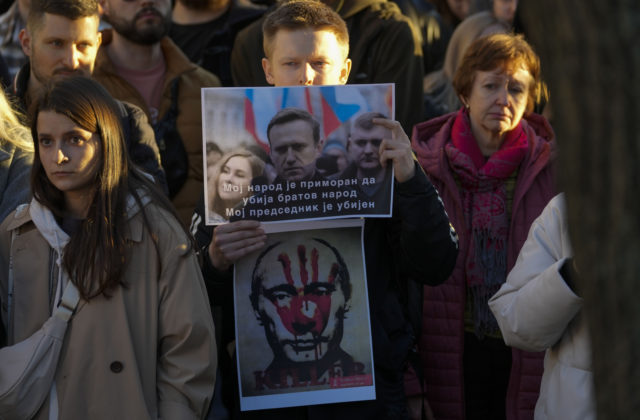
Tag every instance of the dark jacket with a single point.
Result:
(138, 134)
(15, 171)
(442, 339)
(414, 246)
(380, 196)
(220, 36)
(383, 47)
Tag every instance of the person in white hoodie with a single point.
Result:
(538, 308)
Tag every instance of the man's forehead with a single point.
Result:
(307, 43)
(376, 132)
(58, 25)
(291, 131)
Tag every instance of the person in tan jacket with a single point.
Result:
(138, 63)
(140, 344)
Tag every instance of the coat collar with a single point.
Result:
(22, 216)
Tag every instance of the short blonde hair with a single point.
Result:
(302, 14)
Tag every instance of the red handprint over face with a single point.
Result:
(302, 304)
(308, 309)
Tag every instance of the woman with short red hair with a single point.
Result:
(492, 164)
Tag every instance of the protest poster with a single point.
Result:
(303, 332)
(295, 153)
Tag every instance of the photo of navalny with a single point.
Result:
(296, 153)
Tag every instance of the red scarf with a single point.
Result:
(484, 201)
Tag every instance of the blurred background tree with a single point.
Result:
(590, 52)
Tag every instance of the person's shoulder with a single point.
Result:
(252, 33)
(206, 78)
(14, 156)
(241, 14)
(540, 126)
(380, 9)
(435, 130)
(7, 150)
(160, 217)
(16, 219)
(541, 137)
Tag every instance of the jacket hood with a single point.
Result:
(48, 226)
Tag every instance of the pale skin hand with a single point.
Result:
(234, 240)
(396, 149)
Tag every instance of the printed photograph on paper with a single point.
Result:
(296, 153)
(302, 319)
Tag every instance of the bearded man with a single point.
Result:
(138, 63)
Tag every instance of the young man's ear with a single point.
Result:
(266, 67)
(25, 42)
(344, 72)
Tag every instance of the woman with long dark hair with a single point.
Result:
(141, 342)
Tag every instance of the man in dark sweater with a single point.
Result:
(383, 45)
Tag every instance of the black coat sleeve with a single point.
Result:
(426, 241)
(217, 282)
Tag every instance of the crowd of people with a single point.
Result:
(474, 308)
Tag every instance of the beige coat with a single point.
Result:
(147, 352)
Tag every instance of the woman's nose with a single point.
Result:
(502, 96)
(61, 157)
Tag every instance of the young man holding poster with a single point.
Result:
(415, 246)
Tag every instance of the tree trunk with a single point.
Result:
(590, 53)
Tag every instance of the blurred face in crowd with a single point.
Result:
(364, 146)
(301, 304)
(235, 177)
(61, 47)
(293, 150)
(143, 23)
(498, 100)
(505, 10)
(306, 57)
(460, 8)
